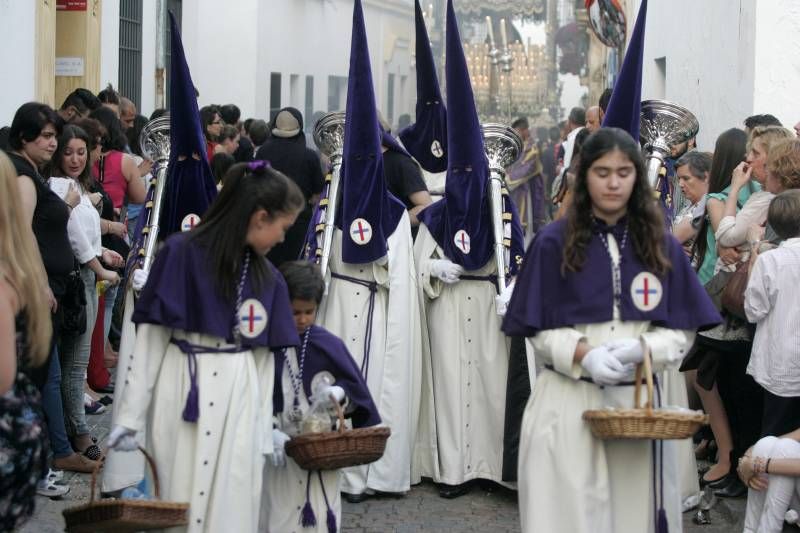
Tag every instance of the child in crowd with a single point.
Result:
(294, 499)
(771, 303)
(212, 313)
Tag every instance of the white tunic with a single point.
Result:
(393, 376)
(123, 469)
(216, 463)
(468, 371)
(284, 492)
(569, 480)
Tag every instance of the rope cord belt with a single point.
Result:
(373, 289)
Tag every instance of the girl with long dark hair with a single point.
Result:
(202, 370)
(599, 291)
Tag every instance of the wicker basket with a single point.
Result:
(644, 423)
(338, 449)
(126, 516)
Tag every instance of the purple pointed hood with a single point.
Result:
(369, 212)
(625, 107)
(426, 139)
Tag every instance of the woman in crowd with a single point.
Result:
(730, 344)
(25, 329)
(33, 139)
(69, 165)
(212, 127)
(692, 170)
(589, 336)
(190, 337)
(703, 359)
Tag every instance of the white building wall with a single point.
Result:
(777, 60)
(701, 55)
(109, 44)
(149, 25)
(17, 61)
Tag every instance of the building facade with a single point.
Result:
(260, 55)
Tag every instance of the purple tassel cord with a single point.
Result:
(331, 522)
(191, 411)
(307, 517)
(661, 523)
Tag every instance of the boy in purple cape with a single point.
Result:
(305, 379)
(596, 292)
(200, 380)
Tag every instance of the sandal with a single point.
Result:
(75, 463)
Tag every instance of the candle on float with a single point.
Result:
(490, 30)
(503, 36)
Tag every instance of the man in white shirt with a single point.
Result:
(771, 303)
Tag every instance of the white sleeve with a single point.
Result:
(79, 240)
(668, 347)
(152, 342)
(732, 230)
(757, 301)
(557, 347)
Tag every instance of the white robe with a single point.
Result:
(284, 492)
(216, 463)
(393, 377)
(568, 479)
(122, 469)
(468, 370)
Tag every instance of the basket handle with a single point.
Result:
(339, 413)
(150, 463)
(646, 367)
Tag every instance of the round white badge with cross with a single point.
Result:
(436, 149)
(252, 318)
(646, 291)
(189, 222)
(461, 240)
(360, 231)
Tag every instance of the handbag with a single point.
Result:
(732, 298)
(73, 305)
(716, 286)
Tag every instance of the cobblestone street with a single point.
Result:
(422, 510)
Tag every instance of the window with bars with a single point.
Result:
(130, 50)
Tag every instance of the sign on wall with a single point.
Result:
(70, 5)
(69, 66)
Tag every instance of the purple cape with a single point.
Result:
(544, 299)
(466, 206)
(431, 116)
(327, 353)
(181, 293)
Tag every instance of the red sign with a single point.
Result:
(71, 5)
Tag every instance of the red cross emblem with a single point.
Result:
(646, 291)
(189, 222)
(360, 231)
(461, 241)
(252, 318)
(436, 149)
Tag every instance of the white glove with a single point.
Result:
(626, 350)
(139, 279)
(122, 439)
(502, 299)
(604, 368)
(279, 440)
(446, 270)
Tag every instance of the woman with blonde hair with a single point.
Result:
(25, 331)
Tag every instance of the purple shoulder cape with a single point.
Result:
(545, 299)
(181, 293)
(327, 353)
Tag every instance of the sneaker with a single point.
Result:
(54, 475)
(94, 408)
(51, 489)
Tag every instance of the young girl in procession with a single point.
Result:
(598, 291)
(293, 499)
(201, 378)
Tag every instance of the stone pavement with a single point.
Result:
(421, 510)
